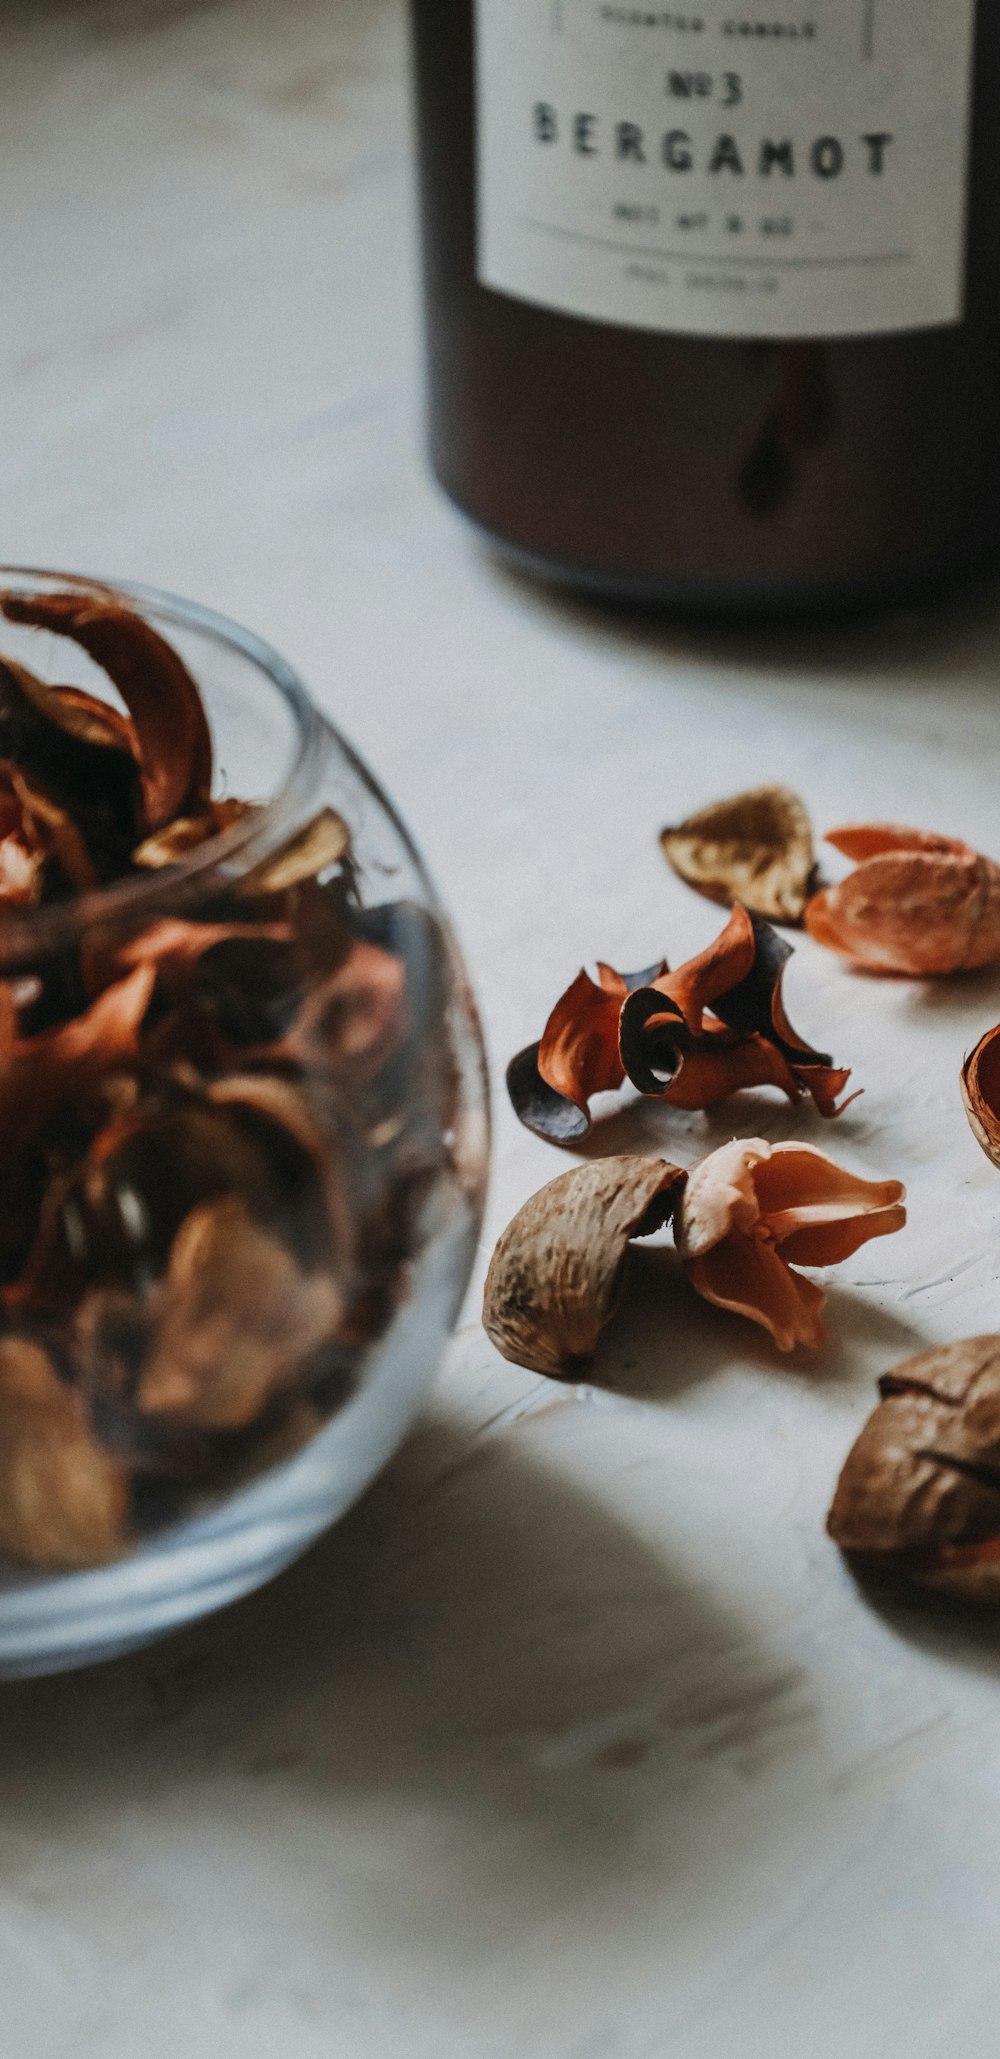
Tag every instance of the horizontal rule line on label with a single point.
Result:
(703, 257)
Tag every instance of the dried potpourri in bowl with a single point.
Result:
(243, 1118)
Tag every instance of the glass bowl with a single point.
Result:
(245, 1143)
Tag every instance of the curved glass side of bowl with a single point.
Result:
(245, 1124)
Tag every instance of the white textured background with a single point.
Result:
(576, 1741)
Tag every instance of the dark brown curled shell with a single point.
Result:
(555, 1276)
(981, 1093)
(919, 1494)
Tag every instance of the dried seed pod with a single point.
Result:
(238, 1320)
(917, 905)
(556, 1273)
(756, 848)
(981, 1093)
(919, 1494)
(64, 1502)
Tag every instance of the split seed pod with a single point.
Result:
(920, 1493)
(981, 1093)
(756, 848)
(556, 1274)
(916, 904)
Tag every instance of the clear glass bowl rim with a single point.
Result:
(26, 933)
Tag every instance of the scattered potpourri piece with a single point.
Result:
(916, 904)
(981, 1093)
(755, 849)
(216, 1144)
(919, 1495)
(690, 1037)
(753, 1211)
(740, 1219)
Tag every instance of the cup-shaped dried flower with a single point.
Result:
(915, 904)
(981, 1093)
(753, 1211)
(919, 1494)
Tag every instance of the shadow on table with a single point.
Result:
(480, 1647)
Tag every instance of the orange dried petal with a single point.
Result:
(704, 979)
(748, 1276)
(578, 1054)
(708, 1075)
(860, 840)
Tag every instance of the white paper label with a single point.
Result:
(777, 168)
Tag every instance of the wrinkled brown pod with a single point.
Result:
(555, 1276)
(919, 1495)
(756, 848)
(981, 1093)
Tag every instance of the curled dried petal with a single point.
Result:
(556, 1274)
(550, 1083)
(702, 981)
(171, 844)
(919, 1494)
(39, 1074)
(172, 735)
(239, 1320)
(916, 905)
(981, 1093)
(63, 1501)
(756, 848)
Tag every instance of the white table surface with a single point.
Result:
(576, 1741)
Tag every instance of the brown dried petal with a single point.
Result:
(756, 848)
(556, 1273)
(981, 1093)
(239, 1321)
(173, 738)
(63, 1501)
(920, 1491)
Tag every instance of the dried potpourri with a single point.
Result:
(691, 1037)
(919, 1495)
(981, 1093)
(742, 1220)
(916, 904)
(756, 848)
(220, 1132)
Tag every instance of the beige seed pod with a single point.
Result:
(756, 848)
(556, 1273)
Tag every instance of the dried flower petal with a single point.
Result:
(239, 1320)
(917, 904)
(63, 1501)
(173, 738)
(752, 1208)
(919, 1494)
(38, 1074)
(756, 848)
(550, 1083)
(556, 1274)
(981, 1093)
